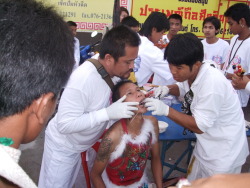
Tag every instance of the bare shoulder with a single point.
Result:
(154, 121)
(109, 142)
(114, 133)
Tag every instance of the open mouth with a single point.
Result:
(142, 103)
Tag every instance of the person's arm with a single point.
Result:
(241, 82)
(222, 181)
(155, 154)
(107, 146)
(174, 90)
(74, 113)
(184, 120)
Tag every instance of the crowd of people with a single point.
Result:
(103, 97)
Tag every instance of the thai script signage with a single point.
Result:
(193, 12)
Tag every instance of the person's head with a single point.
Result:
(36, 60)
(73, 27)
(211, 26)
(184, 54)
(118, 49)
(131, 22)
(155, 26)
(123, 13)
(132, 92)
(238, 16)
(175, 21)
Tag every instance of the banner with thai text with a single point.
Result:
(193, 12)
(88, 14)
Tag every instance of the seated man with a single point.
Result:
(125, 147)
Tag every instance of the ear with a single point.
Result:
(217, 31)
(44, 107)
(108, 59)
(181, 27)
(242, 21)
(154, 30)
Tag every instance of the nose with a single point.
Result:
(132, 65)
(139, 94)
(172, 69)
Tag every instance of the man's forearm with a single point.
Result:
(184, 120)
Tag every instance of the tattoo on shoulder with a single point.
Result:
(104, 149)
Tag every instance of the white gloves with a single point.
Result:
(161, 91)
(157, 107)
(121, 109)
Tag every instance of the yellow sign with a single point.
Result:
(193, 12)
(88, 14)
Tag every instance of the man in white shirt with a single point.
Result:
(84, 110)
(175, 22)
(215, 49)
(211, 106)
(150, 58)
(73, 27)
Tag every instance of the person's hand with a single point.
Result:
(120, 109)
(161, 91)
(157, 107)
(239, 82)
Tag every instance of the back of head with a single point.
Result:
(157, 20)
(115, 41)
(184, 49)
(175, 16)
(36, 54)
(238, 11)
(123, 9)
(71, 23)
(130, 21)
(214, 20)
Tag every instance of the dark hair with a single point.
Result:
(116, 90)
(238, 11)
(184, 49)
(156, 20)
(214, 20)
(36, 54)
(71, 23)
(123, 9)
(130, 21)
(175, 16)
(115, 41)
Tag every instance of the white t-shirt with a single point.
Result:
(216, 52)
(218, 114)
(242, 57)
(150, 61)
(81, 117)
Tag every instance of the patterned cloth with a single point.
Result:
(127, 164)
(188, 98)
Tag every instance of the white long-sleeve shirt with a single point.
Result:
(81, 117)
(217, 112)
(150, 61)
